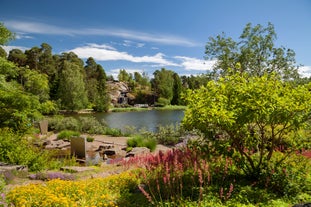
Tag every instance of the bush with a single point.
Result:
(83, 124)
(136, 141)
(90, 139)
(289, 177)
(140, 141)
(168, 135)
(91, 125)
(67, 134)
(59, 123)
(113, 132)
(162, 102)
(16, 149)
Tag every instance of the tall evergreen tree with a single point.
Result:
(18, 57)
(177, 88)
(33, 56)
(162, 84)
(72, 93)
(96, 85)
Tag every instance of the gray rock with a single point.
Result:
(138, 151)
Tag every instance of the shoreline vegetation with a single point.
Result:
(126, 109)
(168, 107)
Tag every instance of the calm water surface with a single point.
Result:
(148, 120)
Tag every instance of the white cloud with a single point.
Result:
(42, 28)
(305, 71)
(102, 46)
(195, 64)
(104, 53)
(21, 35)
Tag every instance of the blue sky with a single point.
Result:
(147, 35)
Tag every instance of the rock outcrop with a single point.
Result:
(119, 93)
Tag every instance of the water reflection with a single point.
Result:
(148, 120)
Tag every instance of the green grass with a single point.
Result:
(171, 107)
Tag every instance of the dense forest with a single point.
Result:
(69, 83)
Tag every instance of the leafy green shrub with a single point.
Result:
(16, 149)
(91, 125)
(67, 134)
(90, 139)
(136, 141)
(168, 135)
(162, 102)
(140, 141)
(113, 132)
(150, 143)
(83, 124)
(289, 177)
(59, 123)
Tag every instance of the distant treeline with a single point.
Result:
(72, 84)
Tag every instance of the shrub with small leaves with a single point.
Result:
(140, 141)
(67, 134)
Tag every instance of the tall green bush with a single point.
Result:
(16, 149)
(249, 117)
(140, 141)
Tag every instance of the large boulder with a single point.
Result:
(138, 151)
(117, 89)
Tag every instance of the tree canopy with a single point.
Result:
(255, 53)
(5, 35)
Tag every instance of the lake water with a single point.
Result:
(148, 120)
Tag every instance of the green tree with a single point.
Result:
(7, 69)
(3, 53)
(36, 83)
(250, 117)
(162, 84)
(177, 89)
(124, 76)
(33, 56)
(72, 89)
(18, 57)
(195, 82)
(255, 53)
(96, 85)
(72, 92)
(46, 61)
(18, 109)
(5, 35)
